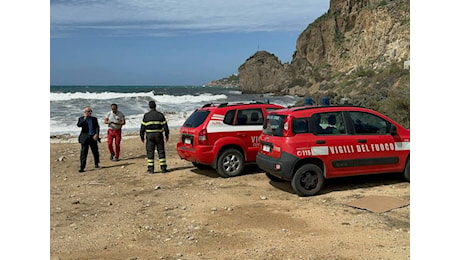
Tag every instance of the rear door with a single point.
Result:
(331, 142)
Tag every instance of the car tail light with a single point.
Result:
(287, 131)
(203, 137)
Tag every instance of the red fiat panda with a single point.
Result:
(306, 145)
(223, 136)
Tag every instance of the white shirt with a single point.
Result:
(116, 118)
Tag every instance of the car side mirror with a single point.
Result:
(393, 130)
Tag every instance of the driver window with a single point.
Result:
(365, 123)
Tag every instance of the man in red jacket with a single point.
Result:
(115, 119)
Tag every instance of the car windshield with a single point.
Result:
(274, 125)
(196, 119)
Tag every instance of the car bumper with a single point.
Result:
(280, 167)
(200, 154)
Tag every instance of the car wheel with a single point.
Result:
(273, 178)
(407, 170)
(308, 180)
(230, 163)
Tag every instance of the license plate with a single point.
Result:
(266, 148)
(188, 141)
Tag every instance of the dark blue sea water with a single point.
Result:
(176, 102)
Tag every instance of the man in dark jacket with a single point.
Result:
(89, 136)
(152, 127)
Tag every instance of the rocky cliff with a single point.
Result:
(357, 50)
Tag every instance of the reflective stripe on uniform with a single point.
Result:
(154, 131)
(150, 162)
(162, 161)
(154, 123)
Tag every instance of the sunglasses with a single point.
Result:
(88, 111)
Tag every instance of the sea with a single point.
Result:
(175, 102)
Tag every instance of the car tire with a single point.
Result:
(308, 180)
(230, 163)
(406, 173)
(273, 178)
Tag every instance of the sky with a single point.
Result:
(169, 42)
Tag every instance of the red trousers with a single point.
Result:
(114, 134)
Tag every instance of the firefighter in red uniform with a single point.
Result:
(152, 127)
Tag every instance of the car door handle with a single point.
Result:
(362, 141)
(320, 142)
(241, 134)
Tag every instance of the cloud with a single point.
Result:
(169, 17)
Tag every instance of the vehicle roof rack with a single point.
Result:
(320, 106)
(226, 104)
(240, 103)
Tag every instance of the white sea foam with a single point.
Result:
(170, 99)
(235, 92)
(96, 96)
(133, 124)
(167, 99)
(175, 108)
(176, 104)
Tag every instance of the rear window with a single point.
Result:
(196, 119)
(274, 125)
(228, 119)
(253, 116)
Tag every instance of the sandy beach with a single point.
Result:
(119, 211)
